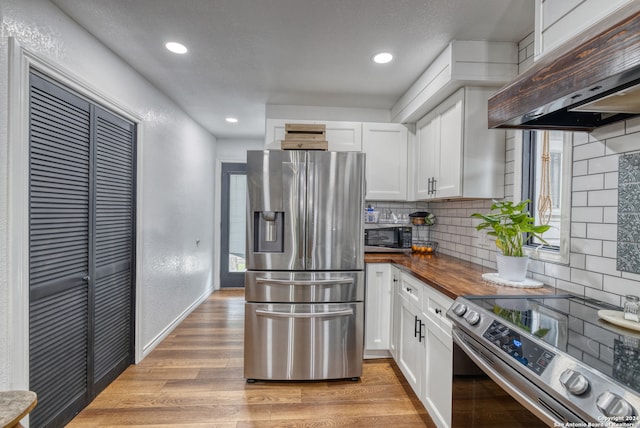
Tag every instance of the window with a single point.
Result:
(556, 206)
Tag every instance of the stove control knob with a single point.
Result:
(472, 317)
(613, 406)
(574, 382)
(459, 309)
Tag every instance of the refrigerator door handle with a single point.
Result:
(305, 282)
(342, 313)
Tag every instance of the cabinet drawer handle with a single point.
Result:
(409, 290)
(438, 311)
(421, 337)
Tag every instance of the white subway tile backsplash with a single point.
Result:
(602, 231)
(587, 214)
(621, 286)
(603, 164)
(611, 180)
(571, 287)
(586, 246)
(588, 151)
(580, 168)
(593, 293)
(588, 182)
(577, 261)
(609, 249)
(578, 230)
(586, 278)
(623, 143)
(579, 199)
(603, 198)
(610, 214)
(558, 271)
(580, 138)
(602, 265)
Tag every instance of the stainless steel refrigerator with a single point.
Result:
(304, 311)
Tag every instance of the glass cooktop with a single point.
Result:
(570, 324)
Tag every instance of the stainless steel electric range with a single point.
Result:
(555, 356)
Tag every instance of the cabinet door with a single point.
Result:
(343, 136)
(395, 312)
(386, 147)
(449, 152)
(437, 389)
(275, 132)
(378, 308)
(428, 136)
(411, 344)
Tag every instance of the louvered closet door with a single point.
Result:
(59, 251)
(81, 250)
(114, 220)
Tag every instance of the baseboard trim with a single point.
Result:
(146, 350)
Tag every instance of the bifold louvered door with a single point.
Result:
(81, 236)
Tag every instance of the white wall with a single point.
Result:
(176, 159)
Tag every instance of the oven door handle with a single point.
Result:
(341, 313)
(504, 383)
(305, 282)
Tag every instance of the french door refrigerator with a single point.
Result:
(304, 311)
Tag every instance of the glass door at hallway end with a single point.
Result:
(233, 224)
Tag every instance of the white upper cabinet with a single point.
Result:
(456, 155)
(559, 21)
(386, 146)
(341, 136)
(344, 136)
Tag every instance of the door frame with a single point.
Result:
(21, 61)
(226, 170)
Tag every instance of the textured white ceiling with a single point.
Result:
(244, 54)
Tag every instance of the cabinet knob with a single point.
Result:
(438, 311)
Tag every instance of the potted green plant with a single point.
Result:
(509, 222)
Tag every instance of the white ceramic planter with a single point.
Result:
(512, 268)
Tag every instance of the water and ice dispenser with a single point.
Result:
(268, 229)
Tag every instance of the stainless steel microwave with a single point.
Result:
(388, 238)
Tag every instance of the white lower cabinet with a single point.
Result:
(425, 347)
(411, 332)
(406, 317)
(378, 301)
(438, 377)
(436, 395)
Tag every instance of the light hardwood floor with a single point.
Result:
(194, 378)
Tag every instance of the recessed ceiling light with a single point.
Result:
(178, 48)
(382, 58)
(231, 119)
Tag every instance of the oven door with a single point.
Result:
(499, 396)
(303, 341)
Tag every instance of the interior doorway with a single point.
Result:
(233, 224)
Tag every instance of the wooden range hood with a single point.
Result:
(590, 81)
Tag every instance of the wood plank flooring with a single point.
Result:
(194, 378)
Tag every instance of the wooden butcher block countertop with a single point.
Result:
(449, 275)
